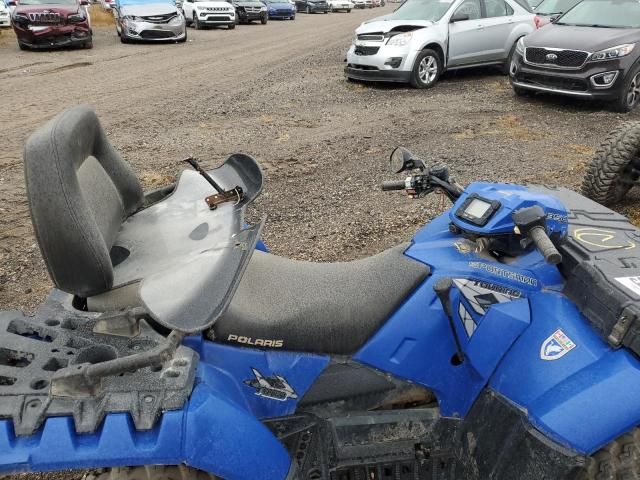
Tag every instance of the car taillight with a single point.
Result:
(538, 22)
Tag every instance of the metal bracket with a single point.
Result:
(214, 200)
(121, 324)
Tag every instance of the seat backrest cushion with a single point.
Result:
(79, 191)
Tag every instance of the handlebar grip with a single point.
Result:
(545, 246)
(397, 185)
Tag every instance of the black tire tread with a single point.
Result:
(620, 460)
(620, 148)
(152, 472)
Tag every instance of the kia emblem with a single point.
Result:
(552, 57)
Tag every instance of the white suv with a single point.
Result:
(423, 38)
(203, 13)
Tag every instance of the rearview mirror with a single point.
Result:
(459, 17)
(400, 159)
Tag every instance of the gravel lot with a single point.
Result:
(277, 92)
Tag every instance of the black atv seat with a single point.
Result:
(317, 307)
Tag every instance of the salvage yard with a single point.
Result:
(277, 92)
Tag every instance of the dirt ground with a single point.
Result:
(277, 92)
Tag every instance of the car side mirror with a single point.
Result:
(84, 3)
(459, 17)
(12, 3)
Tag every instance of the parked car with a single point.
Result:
(423, 38)
(549, 10)
(209, 13)
(589, 52)
(5, 15)
(312, 6)
(51, 23)
(281, 9)
(363, 3)
(340, 5)
(250, 10)
(160, 20)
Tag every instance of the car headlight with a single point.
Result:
(263, 9)
(520, 46)
(75, 18)
(400, 39)
(613, 52)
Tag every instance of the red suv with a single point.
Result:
(51, 23)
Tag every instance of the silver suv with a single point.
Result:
(423, 38)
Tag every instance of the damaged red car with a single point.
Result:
(51, 23)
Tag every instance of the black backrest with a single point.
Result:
(79, 191)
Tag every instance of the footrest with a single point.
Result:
(32, 349)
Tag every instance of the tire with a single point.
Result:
(507, 64)
(195, 22)
(183, 39)
(22, 46)
(521, 92)
(263, 20)
(231, 26)
(615, 167)
(620, 460)
(625, 103)
(426, 69)
(153, 472)
(348, 10)
(124, 38)
(88, 44)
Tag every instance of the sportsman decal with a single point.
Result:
(275, 387)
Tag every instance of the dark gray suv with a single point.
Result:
(590, 52)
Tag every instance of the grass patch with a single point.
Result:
(100, 17)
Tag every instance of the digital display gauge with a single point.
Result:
(477, 210)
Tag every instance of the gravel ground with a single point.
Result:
(277, 92)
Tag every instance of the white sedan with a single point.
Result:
(337, 5)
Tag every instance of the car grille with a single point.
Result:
(216, 9)
(549, 81)
(283, 12)
(46, 17)
(218, 18)
(368, 68)
(252, 9)
(156, 34)
(555, 58)
(360, 50)
(371, 37)
(160, 18)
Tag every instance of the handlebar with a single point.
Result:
(393, 185)
(544, 245)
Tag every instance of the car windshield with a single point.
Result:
(47, 2)
(534, 3)
(604, 14)
(554, 7)
(432, 10)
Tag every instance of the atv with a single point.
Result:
(500, 342)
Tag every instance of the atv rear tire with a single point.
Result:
(153, 472)
(616, 166)
(620, 460)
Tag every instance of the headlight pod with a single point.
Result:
(400, 40)
(520, 46)
(613, 52)
(75, 18)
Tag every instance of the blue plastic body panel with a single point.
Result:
(219, 430)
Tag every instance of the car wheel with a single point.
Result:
(263, 20)
(507, 64)
(88, 44)
(124, 38)
(615, 169)
(22, 46)
(196, 23)
(183, 39)
(426, 69)
(630, 94)
(522, 92)
(231, 26)
(348, 10)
